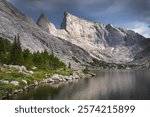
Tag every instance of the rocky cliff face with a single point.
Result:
(104, 42)
(35, 38)
(143, 57)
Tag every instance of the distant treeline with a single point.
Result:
(11, 53)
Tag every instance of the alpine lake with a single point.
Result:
(106, 85)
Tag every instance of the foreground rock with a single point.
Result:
(4, 81)
(60, 78)
(53, 80)
(16, 83)
(21, 69)
(24, 81)
(56, 77)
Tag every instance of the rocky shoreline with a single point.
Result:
(53, 80)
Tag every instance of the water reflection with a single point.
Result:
(108, 84)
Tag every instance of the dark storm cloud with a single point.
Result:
(140, 9)
(137, 8)
(128, 9)
(118, 12)
(47, 4)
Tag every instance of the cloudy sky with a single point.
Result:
(130, 14)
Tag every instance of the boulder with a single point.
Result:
(16, 83)
(25, 88)
(23, 68)
(67, 78)
(30, 72)
(4, 81)
(5, 65)
(20, 90)
(18, 68)
(73, 77)
(50, 80)
(55, 77)
(36, 83)
(15, 92)
(76, 76)
(25, 82)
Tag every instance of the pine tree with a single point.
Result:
(16, 54)
(5, 47)
(1, 50)
(45, 56)
(13, 54)
(38, 60)
(2, 46)
(69, 65)
(20, 60)
(28, 59)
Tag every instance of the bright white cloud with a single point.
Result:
(141, 28)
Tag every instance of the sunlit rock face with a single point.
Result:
(37, 37)
(104, 42)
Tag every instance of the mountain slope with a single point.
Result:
(143, 57)
(104, 42)
(78, 41)
(13, 22)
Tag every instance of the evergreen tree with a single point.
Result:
(28, 59)
(5, 47)
(69, 65)
(2, 46)
(16, 54)
(46, 58)
(38, 59)
(1, 50)
(13, 54)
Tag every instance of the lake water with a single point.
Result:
(108, 84)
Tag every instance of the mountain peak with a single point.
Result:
(42, 17)
(43, 22)
(68, 18)
(109, 25)
(67, 13)
(63, 24)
